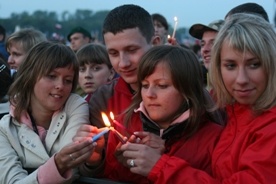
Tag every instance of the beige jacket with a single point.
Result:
(21, 147)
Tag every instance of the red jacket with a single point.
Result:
(245, 153)
(196, 150)
(114, 96)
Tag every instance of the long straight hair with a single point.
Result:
(246, 33)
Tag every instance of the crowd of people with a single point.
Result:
(176, 116)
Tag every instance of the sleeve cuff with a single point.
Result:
(48, 173)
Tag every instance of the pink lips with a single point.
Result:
(89, 84)
(243, 93)
(153, 105)
(128, 72)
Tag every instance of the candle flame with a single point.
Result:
(111, 115)
(175, 19)
(169, 36)
(105, 119)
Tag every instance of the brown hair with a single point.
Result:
(40, 61)
(187, 79)
(93, 53)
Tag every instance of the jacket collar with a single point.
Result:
(175, 127)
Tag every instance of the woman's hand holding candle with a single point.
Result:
(99, 135)
(151, 140)
(85, 132)
(144, 154)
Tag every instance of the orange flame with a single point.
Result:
(105, 119)
(111, 115)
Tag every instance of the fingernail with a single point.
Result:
(138, 140)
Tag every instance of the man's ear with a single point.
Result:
(87, 39)
(112, 74)
(156, 40)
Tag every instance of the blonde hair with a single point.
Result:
(246, 33)
(27, 38)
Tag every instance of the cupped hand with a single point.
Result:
(73, 155)
(151, 140)
(143, 157)
(86, 132)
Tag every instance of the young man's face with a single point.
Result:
(161, 31)
(125, 50)
(207, 42)
(77, 40)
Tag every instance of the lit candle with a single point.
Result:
(119, 124)
(97, 136)
(175, 25)
(107, 123)
(118, 135)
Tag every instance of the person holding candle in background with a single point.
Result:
(95, 68)
(36, 136)
(171, 39)
(166, 110)
(243, 77)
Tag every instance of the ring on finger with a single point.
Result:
(71, 156)
(131, 163)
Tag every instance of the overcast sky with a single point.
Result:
(188, 12)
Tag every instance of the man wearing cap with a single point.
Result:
(78, 37)
(207, 35)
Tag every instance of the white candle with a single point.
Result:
(175, 25)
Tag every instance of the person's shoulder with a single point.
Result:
(110, 85)
(74, 101)
(5, 121)
(267, 118)
(272, 110)
(106, 89)
(75, 97)
(211, 128)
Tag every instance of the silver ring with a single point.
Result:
(131, 163)
(71, 156)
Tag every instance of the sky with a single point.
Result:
(188, 12)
